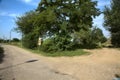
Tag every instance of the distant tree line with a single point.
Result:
(8, 40)
(63, 25)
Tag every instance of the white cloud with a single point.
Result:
(13, 15)
(2, 13)
(31, 2)
(98, 21)
(102, 3)
(27, 1)
(9, 14)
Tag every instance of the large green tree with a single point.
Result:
(58, 20)
(68, 17)
(112, 21)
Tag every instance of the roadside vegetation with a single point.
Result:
(65, 27)
(112, 22)
(1, 49)
(62, 25)
(1, 54)
(38, 50)
(77, 52)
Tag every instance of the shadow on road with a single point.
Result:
(29, 61)
(1, 54)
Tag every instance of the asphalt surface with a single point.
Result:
(19, 64)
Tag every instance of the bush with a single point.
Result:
(15, 40)
(48, 45)
(1, 54)
(56, 44)
(1, 50)
(30, 41)
(90, 39)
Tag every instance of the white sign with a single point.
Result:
(39, 41)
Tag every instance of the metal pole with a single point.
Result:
(22, 40)
(10, 36)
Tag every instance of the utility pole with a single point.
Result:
(10, 35)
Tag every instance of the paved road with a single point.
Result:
(14, 67)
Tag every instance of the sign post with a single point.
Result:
(39, 43)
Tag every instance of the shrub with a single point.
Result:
(15, 40)
(1, 54)
(30, 41)
(57, 44)
(1, 50)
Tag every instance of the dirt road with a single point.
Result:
(102, 64)
(15, 68)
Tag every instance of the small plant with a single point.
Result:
(1, 50)
(1, 54)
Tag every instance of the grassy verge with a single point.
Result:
(77, 52)
(62, 53)
(16, 44)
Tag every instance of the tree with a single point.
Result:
(28, 29)
(69, 17)
(15, 40)
(1, 40)
(112, 21)
(90, 39)
(58, 20)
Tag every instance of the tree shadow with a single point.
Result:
(1, 54)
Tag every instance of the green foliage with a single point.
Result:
(30, 32)
(89, 39)
(57, 43)
(77, 52)
(30, 41)
(70, 17)
(15, 40)
(48, 46)
(1, 40)
(4, 41)
(1, 54)
(58, 20)
(112, 21)
(26, 22)
(1, 50)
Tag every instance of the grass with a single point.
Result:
(66, 53)
(16, 44)
(77, 52)
(62, 53)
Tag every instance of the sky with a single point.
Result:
(10, 9)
